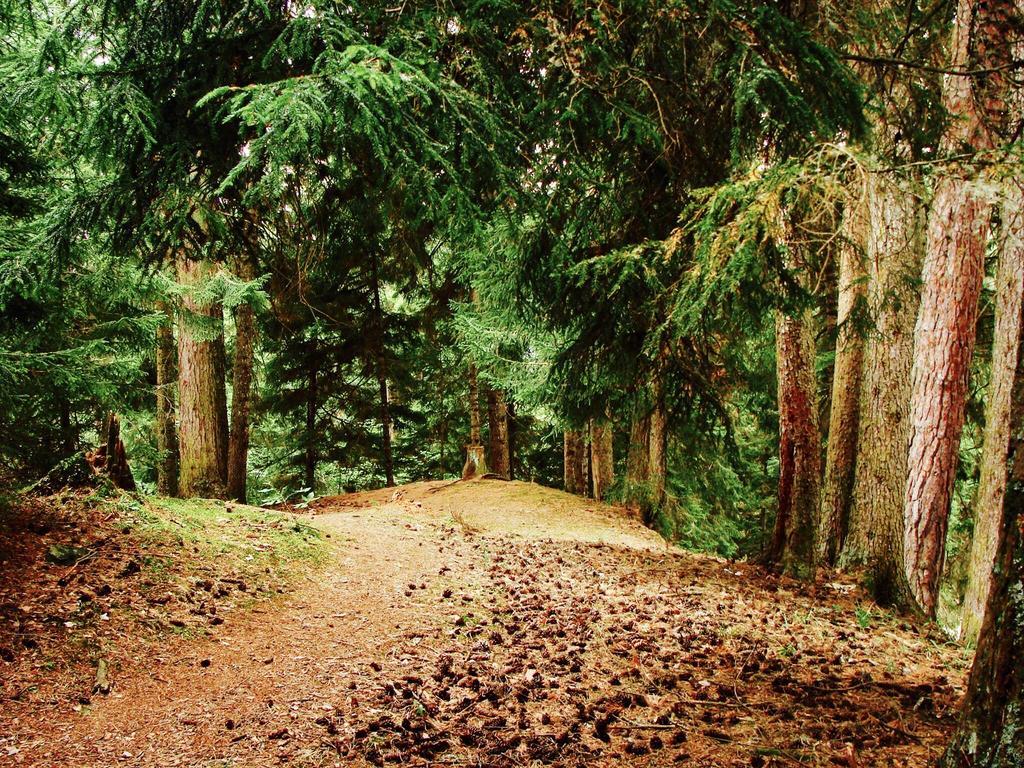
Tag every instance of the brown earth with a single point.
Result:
(504, 624)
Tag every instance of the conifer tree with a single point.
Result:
(990, 732)
(841, 455)
(951, 285)
(203, 415)
(166, 419)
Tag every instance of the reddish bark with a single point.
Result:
(990, 733)
(792, 542)
(952, 277)
(992, 483)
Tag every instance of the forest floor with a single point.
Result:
(490, 623)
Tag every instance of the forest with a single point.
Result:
(482, 382)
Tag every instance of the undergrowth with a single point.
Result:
(238, 537)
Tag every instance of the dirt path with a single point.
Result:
(493, 623)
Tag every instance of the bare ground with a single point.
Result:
(504, 624)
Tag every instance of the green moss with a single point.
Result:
(66, 554)
(238, 537)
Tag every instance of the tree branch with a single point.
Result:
(887, 61)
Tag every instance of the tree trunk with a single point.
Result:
(385, 427)
(474, 407)
(442, 438)
(497, 417)
(658, 446)
(573, 462)
(109, 459)
(514, 470)
(166, 428)
(380, 367)
(792, 545)
(646, 462)
(586, 469)
(203, 415)
(992, 485)
(312, 395)
(841, 455)
(895, 243)
(990, 733)
(592, 460)
(241, 389)
(476, 463)
(638, 460)
(68, 436)
(943, 347)
(602, 458)
(951, 285)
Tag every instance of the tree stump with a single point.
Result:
(476, 462)
(109, 458)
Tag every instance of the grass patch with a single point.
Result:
(235, 537)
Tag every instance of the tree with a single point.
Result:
(166, 422)
(203, 416)
(646, 461)
(903, 106)
(380, 368)
(77, 324)
(638, 459)
(498, 431)
(241, 388)
(990, 732)
(476, 463)
(841, 455)
(602, 457)
(894, 252)
(952, 275)
(311, 436)
(799, 446)
(658, 444)
(988, 502)
(575, 481)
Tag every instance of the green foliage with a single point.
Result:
(720, 488)
(598, 206)
(72, 345)
(790, 90)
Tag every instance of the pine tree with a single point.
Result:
(992, 482)
(499, 457)
(241, 388)
(991, 730)
(203, 416)
(841, 456)
(895, 248)
(951, 286)
(166, 420)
